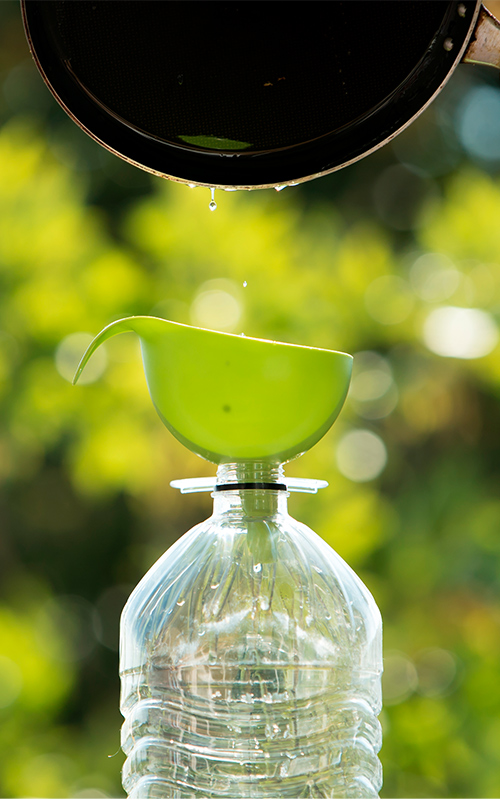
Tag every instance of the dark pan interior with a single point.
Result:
(243, 78)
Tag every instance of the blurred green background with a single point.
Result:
(396, 260)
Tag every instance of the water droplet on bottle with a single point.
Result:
(257, 567)
(192, 185)
(180, 602)
(245, 284)
(279, 188)
(212, 204)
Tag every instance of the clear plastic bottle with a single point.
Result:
(251, 658)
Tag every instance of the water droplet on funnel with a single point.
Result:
(212, 204)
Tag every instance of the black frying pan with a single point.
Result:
(250, 94)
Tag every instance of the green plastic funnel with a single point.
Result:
(234, 398)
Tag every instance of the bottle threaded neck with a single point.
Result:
(258, 474)
(250, 489)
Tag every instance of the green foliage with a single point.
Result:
(84, 472)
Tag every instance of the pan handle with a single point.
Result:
(484, 46)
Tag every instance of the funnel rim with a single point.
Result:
(241, 337)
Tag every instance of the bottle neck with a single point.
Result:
(250, 489)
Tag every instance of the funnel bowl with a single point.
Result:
(235, 398)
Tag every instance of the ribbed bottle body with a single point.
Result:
(250, 665)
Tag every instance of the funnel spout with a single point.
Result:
(120, 326)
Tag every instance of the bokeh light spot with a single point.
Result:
(361, 455)
(460, 332)
(436, 669)
(69, 353)
(478, 119)
(399, 678)
(434, 278)
(371, 376)
(217, 305)
(373, 393)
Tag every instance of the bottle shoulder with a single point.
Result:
(255, 543)
(264, 577)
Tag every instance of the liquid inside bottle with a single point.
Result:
(251, 657)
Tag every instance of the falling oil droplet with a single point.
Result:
(212, 204)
